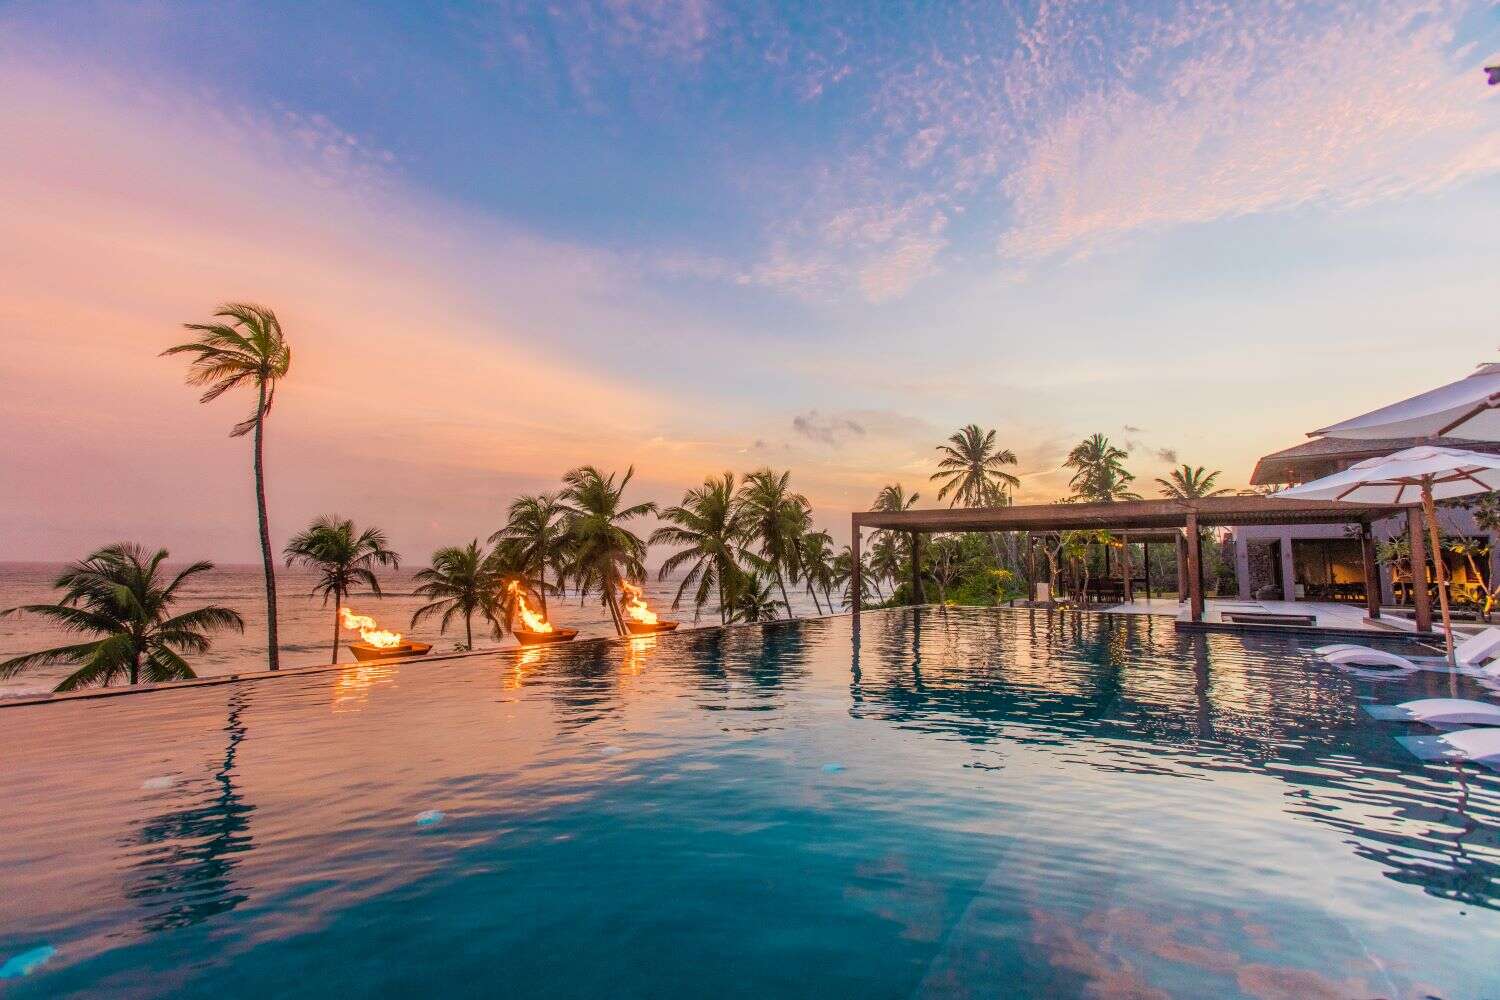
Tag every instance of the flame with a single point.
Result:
(634, 604)
(368, 631)
(533, 620)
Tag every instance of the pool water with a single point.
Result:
(970, 803)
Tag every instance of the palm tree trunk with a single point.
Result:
(469, 629)
(338, 600)
(785, 600)
(814, 592)
(1430, 509)
(273, 652)
(542, 576)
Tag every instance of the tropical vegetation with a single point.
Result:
(345, 559)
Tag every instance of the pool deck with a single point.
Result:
(1330, 618)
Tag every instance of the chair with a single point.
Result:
(1473, 653)
(1451, 712)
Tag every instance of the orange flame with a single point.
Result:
(634, 604)
(533, 620)
(368, 631)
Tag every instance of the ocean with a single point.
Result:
(305, 623)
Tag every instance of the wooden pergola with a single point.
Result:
(1150, 520)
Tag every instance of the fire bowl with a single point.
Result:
(544, 638)
(365, 651)
(642, 628)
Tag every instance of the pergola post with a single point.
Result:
(1030, 566)
(1194, 568)
(1182, 587)
(1420, 598)
(1146, 558)
(856, 585)
(1127, 569)
(1372, 572)
(918, 597)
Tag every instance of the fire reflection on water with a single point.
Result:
(351, 689)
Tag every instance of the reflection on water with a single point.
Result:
(182, 862)
(939, 803)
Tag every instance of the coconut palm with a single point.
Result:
(777, 517)
(345, 559)
(602, 550)
(711, 526)
(1099, 473)
(972, 469)
(537, 538)
(843, 576)
(460, 581)
(1189, 483)
(121, 595)
(249, 351)
(510, 563)
(752, 600)
(815, 552)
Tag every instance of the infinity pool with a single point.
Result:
(977, 803)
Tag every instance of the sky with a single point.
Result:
(506, 239)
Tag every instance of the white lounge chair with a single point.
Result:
(1479, 745)
(1471, 655)
(1452, 712)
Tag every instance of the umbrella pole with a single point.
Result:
(1430, 509)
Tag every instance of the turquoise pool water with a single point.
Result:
(983, 803)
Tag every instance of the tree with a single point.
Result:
(816, 548)
(777, 517)
(752, 600)
(249, 351)
(344, 558)
(1189, 483)
(1099, 474)
(972, 469)
(537, 540)
(712, 527)
(460, 581)
(120, 595)
(843, 576)
(602, 550)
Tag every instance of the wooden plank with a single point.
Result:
(1416, 531)
(1194, 569)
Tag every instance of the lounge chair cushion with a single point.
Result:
(1452, 711)
(1482, 745)
(1364, 656)
(1478, 648)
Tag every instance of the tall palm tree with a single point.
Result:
(889, 548)
(602, 550)
(893, 498)
(510, 563)
(460, 581)
(712, 527)
(815, 550)
(248, 351)
(972, 469)
(777, 517)
(121, 595)
(1099, 473)
(1189, 483)
(535, 532)
(344, 558)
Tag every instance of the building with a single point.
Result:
(1322, 562)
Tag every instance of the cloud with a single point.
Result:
(1167, 455)
(825, 428)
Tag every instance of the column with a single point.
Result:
(1372, 571)
(1194, 568)
(1288, 567)
(1242, 563)
(1182, 586)
(917, 596)
(856, 584)
(1418, 535)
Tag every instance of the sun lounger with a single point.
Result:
(1451, 712)
(1473, 653)
(1481, 746)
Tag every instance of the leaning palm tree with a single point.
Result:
(711, 527)
(344, 558)
(1099, 471)
(536, 536)
(1189, 483)
(602, 551)
(248, 351)
(815, 552)
(972, 469)
(120, 595)
(460, 581)
(777, 518)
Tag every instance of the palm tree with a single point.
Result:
(344, 558)
(1099, 471)
(535, 531)
(602, 551)
(119, 594)
(248, 351)
(815, 550)
(460, 581)
(752, 599)
(888, 547)
(843, 575)
(1188, 483)
(972, 469)
(507, 564)
(777, 517)
(712, 526)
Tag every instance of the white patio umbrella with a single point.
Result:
(1412, 477)
(1468, 408)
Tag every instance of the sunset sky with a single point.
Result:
(509, 238)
